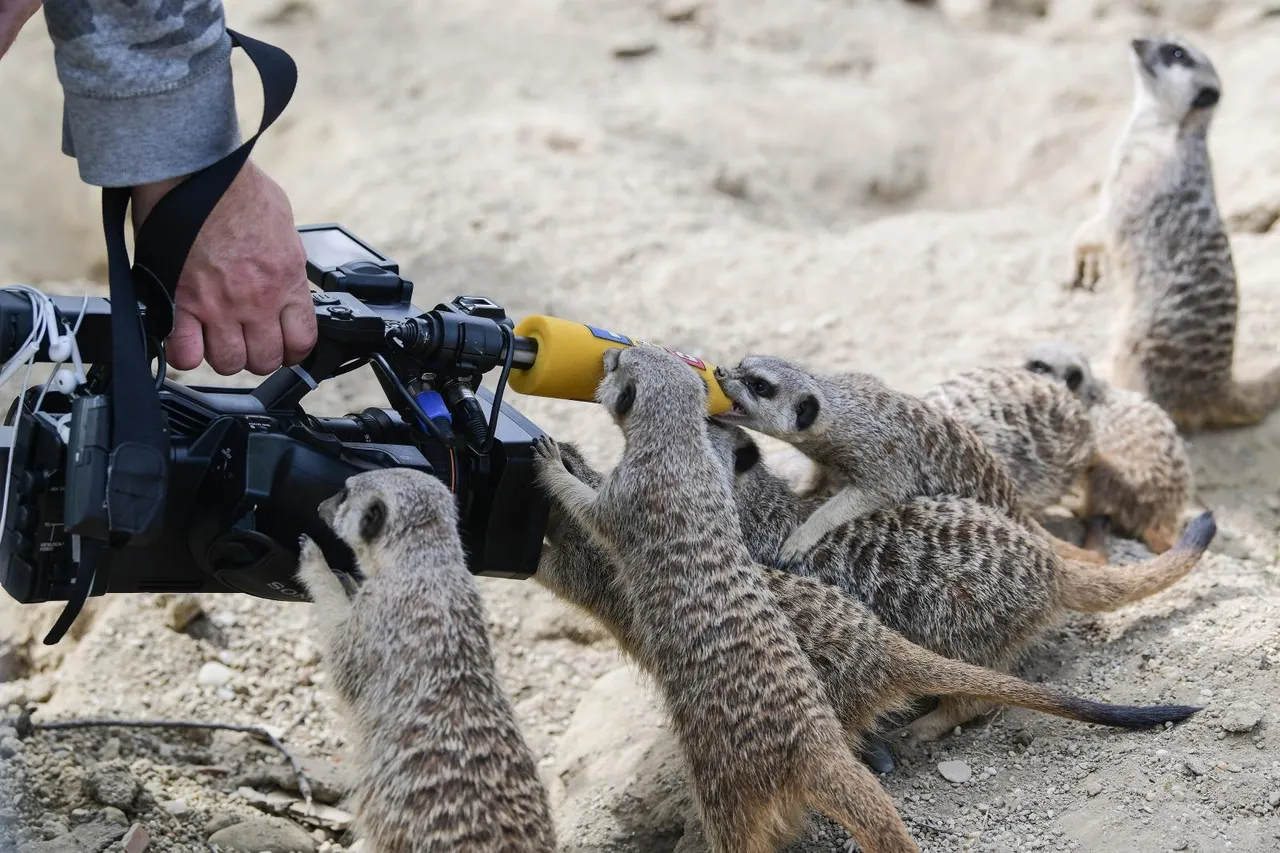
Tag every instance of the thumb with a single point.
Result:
(184, 350)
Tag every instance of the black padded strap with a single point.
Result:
(137, 477)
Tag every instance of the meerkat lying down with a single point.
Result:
(442, 764)
(1160, 236)
(663, 566)
(888, 447)
(1037, 427)
(952, 575)
(1141, 480)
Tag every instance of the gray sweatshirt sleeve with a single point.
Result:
(146, 87)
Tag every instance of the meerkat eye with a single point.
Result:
(371, 523)
(1172, 54)
(626, 399)
(1039, 367)
(761, 388)
(343, 495)
(1074, 377)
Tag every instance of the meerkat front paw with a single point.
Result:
(548, 451)
(1087, 256)
(321, 583)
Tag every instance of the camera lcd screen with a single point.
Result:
(329, 248)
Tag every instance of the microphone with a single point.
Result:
(570, 361)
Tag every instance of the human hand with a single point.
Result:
(13, 15)
(243, 299)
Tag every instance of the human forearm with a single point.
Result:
(147, 87)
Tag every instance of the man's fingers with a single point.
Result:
(224, 347)
(264, 347)
(185, 348)
(298, 321)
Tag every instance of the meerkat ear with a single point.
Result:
(745, 457)
(626, 399)
(807, 412)
(373, 520)
(611, 356)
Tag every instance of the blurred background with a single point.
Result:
(877, 185)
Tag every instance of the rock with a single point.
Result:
(1093, 788)
(1241, 718)
(306, 652)
(330, 780)
(956, 772)
(622, 771)
(732, 182)
(181, 611)
(10, 746)
(95, 835)
(681, 11)
(335, 819)
(111, 784)
(214, 674)
(634, 48)
(136, 839)
(177, 808)
(264, 835)
(219, 821)
(1274, 799)
(1195, 768)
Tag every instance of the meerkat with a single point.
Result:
(443, 765)
(1158, 233)
(1036, 426)
(1141, 481)
(887, 446)
(759, 738)
(867, 668)
(952, 575)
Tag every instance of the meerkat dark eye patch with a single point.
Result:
(1074, 378)
(807, 412)
(373, 520)
(1205, 98)
(761, 387)
(1039, 367)
(626, 399)
(1173, 54)
(745, 457)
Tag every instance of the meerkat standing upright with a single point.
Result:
(443, 765)
(759, 736)
(886, 446)
(1141, 480)
(1159, 234)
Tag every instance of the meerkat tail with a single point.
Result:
(931, 674)
(1090, 588)
(1245, 403)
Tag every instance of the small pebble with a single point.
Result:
(956, 772)
(214, 674)
(634, 48)
(136, 839)
(1093, 789)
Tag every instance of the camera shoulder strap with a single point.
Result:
(138, 472)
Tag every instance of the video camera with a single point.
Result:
(248, 467)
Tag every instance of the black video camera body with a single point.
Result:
(247, 468)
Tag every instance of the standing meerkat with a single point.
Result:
(760, 740)
(886, 446)
(1038, 428)
(1141, 481)
(867, 668)
(1159, 235)
(443, 765)
(953, 575)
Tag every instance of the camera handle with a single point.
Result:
(138, 471)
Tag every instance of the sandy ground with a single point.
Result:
(871, 185)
